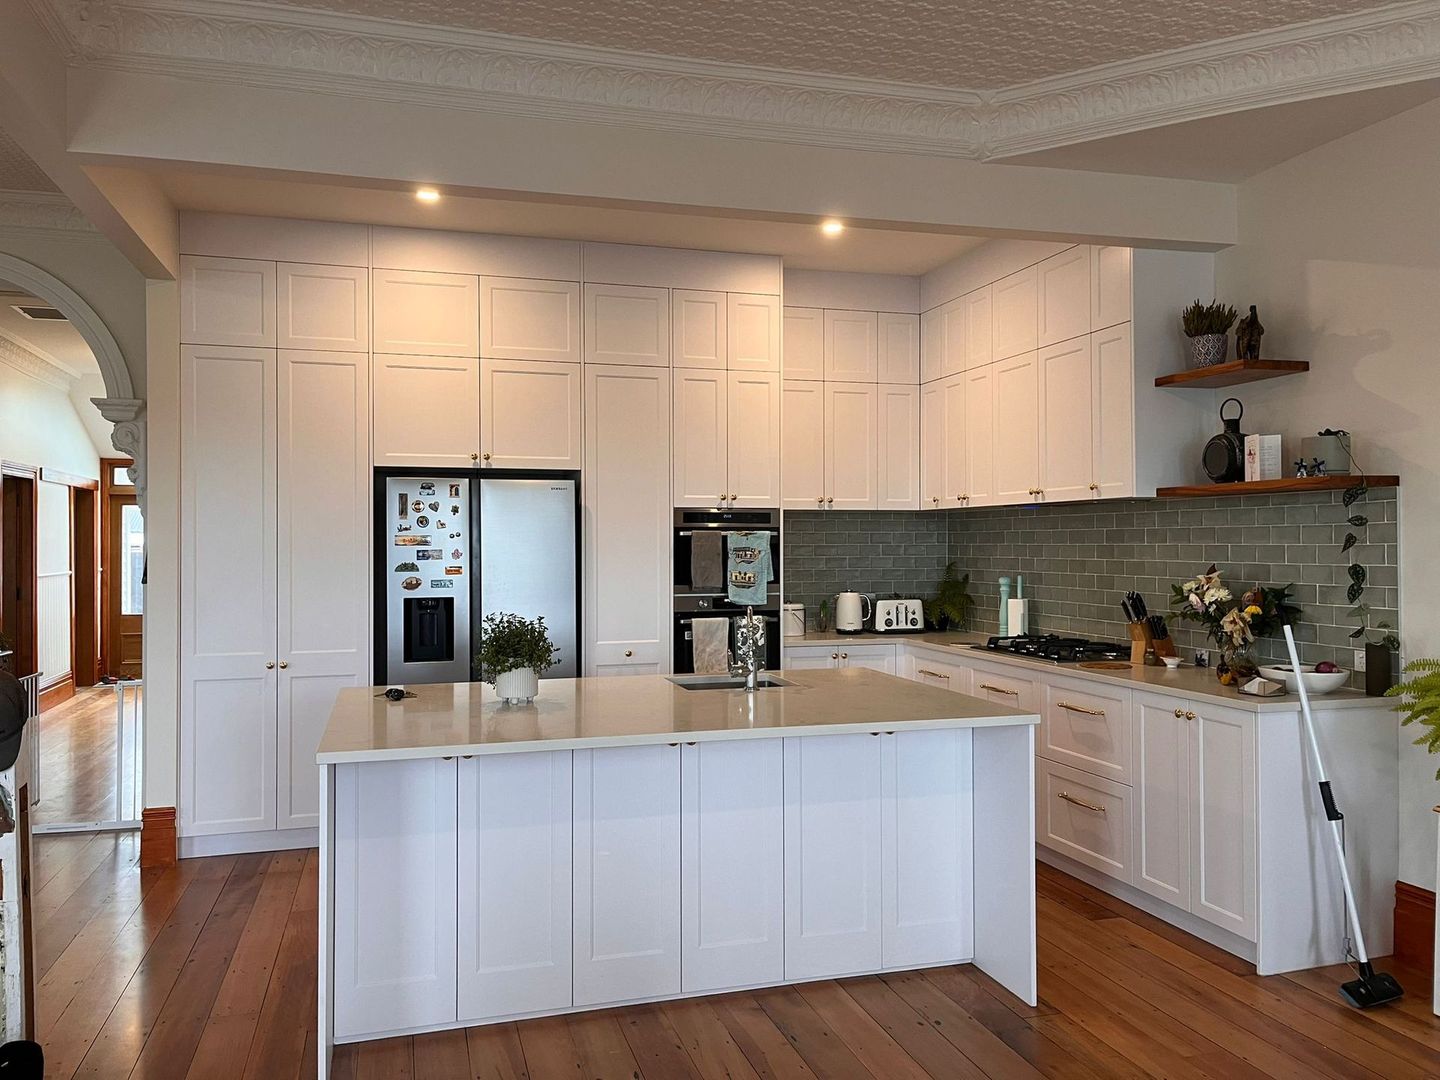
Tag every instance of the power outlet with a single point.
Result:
(1359, 659)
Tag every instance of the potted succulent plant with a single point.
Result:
(1208, 328)
(513, 652)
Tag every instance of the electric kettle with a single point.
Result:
(851, 611)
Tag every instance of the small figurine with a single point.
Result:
(1248, 333)
(1317, 467)
(1301, 469)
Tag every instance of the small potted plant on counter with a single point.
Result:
(1208, 328)
(513, 652)
(1233, 624)
(949, 608)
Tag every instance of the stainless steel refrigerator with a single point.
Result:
(453, 548)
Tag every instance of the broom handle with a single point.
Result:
(1331, 811)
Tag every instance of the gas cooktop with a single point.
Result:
(1054, 649)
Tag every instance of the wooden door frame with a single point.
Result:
(110, 493)
(25, 615)
(84, 575)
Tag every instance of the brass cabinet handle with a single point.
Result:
(935, 499)
(284, 663)
(474, 457)
(1079, 709)
(269, 665)
(999, 689)
(1094, 487)
(484, 457)
(820, 501)
(733, 497)
(1189, 715)
(830, 499)
(932, 674)
(1081, 802)
(1179, 714)
(965, 498)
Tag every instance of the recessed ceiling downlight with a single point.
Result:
(832, 227)
(427, 195)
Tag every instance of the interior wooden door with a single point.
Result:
(17, 565)
(122, 569)
(89, 605)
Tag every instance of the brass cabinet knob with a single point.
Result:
(820, 500)
(1189, 715)
(629, 652)
(1094, 487)
(284, 663)
(831, 499)
(269, 665)
(834, 656)
(935, 499)
(1179, 714)
(485, 457)
(844, 656)
(474, 457)
(733, 497)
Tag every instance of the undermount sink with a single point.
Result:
(723, 682)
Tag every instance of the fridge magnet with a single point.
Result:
(410, 584)
(422, 522)
(442, 583)
(455, 508)
(441, 525)
(427, 487)
(434, 507)
(407, 568)
(404, 504)
(430, 555)
(454, 571)
(417, 506)
(454, 491)
(412, 540)
(402, 527)
(457, 554)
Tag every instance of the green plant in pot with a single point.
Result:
(1208, 328)
(1420, 703)
(952, 603)
(513, 653)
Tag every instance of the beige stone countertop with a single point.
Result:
(449, 719)
(1186, 680)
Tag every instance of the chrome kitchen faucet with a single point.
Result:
(749, 648)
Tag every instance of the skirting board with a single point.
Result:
(1414, 924)
(247, 843)
(62, 691)
(157, 836)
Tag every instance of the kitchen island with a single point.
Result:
(635, 839)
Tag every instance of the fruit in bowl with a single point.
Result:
(1319, 678)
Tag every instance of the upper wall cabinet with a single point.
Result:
(528, 319)
(979, 327)
(804, 343)
(802, 447)
(899, 338)
(699, 323)
(427, 411)
(897, 414)
(1067, 402)
(323, 308)
(932, 344)
(1110, 292)
(851, 346)
(227, 301)
(1014, 312)
(425, 314)
(627, 324)
(753, 332)
(530, 415)
(1112, 378)
(1064, 295)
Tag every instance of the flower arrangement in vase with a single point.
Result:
(513, 652)
(1233, 624)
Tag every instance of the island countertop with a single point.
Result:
(450, 719)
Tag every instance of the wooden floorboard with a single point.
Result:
(207, 970)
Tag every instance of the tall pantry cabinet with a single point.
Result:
(275, 445)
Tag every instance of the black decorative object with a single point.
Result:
(1248, 333)
(1224, 457)
(1378, 678)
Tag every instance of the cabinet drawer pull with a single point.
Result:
(999, 689)
(1081, 802)
(1079, 709)
(933, 674)
(1189, 715)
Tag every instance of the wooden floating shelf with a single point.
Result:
(1234, 373)
(1285, 485)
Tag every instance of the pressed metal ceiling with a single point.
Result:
(975, 46)
(17, 171)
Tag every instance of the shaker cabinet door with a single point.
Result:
(426, 314)
(1222, 823)
(1162, 798)
(530, 415)
(753, 443)
(898, 469)
(1066, 417)
(802, 457)
(427, 411)
(702, 475)
(804, 343)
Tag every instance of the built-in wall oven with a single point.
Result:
(708, 599)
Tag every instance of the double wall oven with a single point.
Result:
(693, 602)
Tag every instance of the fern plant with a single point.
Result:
(952, 603)
(1420, 703)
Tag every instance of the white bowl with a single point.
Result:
(1316, 682)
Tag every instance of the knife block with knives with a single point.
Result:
(1149, 636)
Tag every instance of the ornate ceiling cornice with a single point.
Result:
(259, 44)
(28, 362)
(42, 210)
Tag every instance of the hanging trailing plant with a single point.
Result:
(1359, 576)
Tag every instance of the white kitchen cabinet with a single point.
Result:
(1084, 817)
(874, 657)
(1085, 724)
(839, 654)
(752, 332)
(1006, 686)
(1112, 381)
(514, 857)
(322, 307)
(1223, 817)
(227, 301)
(851, 346)
(626, 873)
(834, 922)
(811, 658)
(932, 344)
(979, 437)
(927, 873)
(933, 436)
(899, 344)
(933, 672)
(427, 411)
(732, 829)
(1015, 315)
(1066, 406)
(1110, 286)
(395, 830)
(530, 414)
(530, 319)
(898, 424)
(957, 443)
(956, 319)
(979, 328)
(324, 490)
(702, 476)
(753, 448)
(1016, 437)
(850, 446)
(1162, 797)
(802, 458)
(627, 514)
(227, 589)
(1063, 295)
(627, 324)
(804, 343)
(698, 325)
(425, 314)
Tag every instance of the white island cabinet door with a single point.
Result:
(754, 439)
(833, 904)
(627, 873)
(514, 884)
(1222, 816)
(394, 896)
(427, 411)
(802, 446)
(731, 831)
(1162, 797)
(702, 476)
(926, 789)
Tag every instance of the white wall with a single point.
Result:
(39, 426)
(1340, 248)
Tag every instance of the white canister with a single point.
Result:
(792, 620)
(1019, 616)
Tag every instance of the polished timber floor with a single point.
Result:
(207, 970)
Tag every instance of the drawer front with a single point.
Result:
(1086, 726)
(1084, 817)
(941, 673)
(1006, 687)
